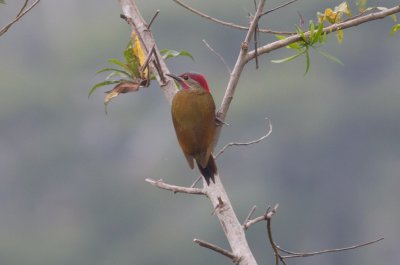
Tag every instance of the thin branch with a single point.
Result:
(229, 24)
(196, 181)
(269, 131)
(237, 70)
(219, 56)
(22, 8)
(176, 189)
(268, 215)
(277, 249)
(278, 256)
(23, 11)
(278, 7)
(153, 18)
(308, 254)
(329, 29)
(215, 248)
(253, 209)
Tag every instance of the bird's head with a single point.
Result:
(191, 81)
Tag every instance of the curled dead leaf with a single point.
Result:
(122, 88)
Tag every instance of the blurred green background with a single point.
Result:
(72, 187)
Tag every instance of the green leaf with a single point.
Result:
(331, 57)
(288, 58)
(318, 36)
(301, 33)
(280, 37)
(126, 74)
(2, 2)
(122, 65)
(166, 54)
(307, 61)
(294, 45)
(312, 28)
(117, 62)
(104, 83)
(323, 37)
(131, 61)
(394, 29)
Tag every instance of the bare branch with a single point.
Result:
(229, 24)
(268, 215)
(253, 209)
(153, 18)
(278, 256)
(332, 28)
(269, 131)
(219, 56)
(237, 70)
(308, 254)
(215, 248)
(196, 181)
(176, 189)
(23, 11)
(277, 249)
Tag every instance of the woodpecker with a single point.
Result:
(193, 116)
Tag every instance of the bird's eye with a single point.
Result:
(185, 77)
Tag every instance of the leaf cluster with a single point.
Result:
(315, 39)
(130, 74)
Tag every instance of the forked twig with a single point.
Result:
(308, 254)
(267, 215)
(277, 249)
(23, 11)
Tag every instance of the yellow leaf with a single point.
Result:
(340, 36)
(334, 16)
(328, 15)
(139, 53)
(343, 8)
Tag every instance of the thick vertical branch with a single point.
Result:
(237, 70)
(140, 27)
(215, 192)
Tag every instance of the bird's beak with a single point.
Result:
(177, 78)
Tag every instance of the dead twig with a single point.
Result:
(176, 189)
(267, 215)
(153, 18)
(278, 7)
(308, 254)
(196, 181)
(229, 24)
(22, 12)
(219, 56)
(277, 249)
(215, 248)
(269, 131)
(253, 209)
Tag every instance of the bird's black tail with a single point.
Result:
(209, 171)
